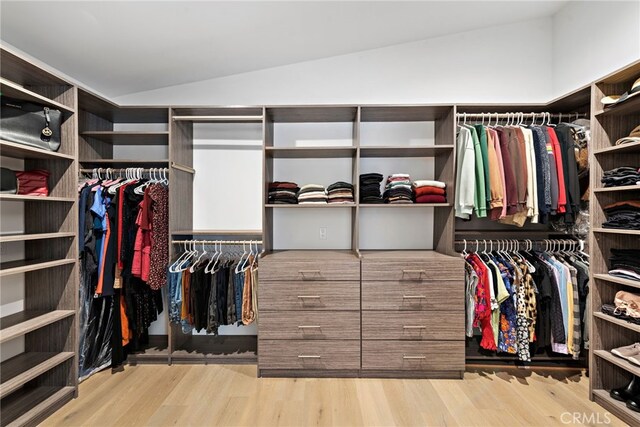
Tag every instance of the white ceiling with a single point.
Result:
(120, 47)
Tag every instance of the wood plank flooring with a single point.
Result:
(231, 395)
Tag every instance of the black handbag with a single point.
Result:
(30, 124)
(8, 181)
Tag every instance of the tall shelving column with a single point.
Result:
(41, 379)
(607, 332)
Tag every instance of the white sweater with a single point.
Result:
(465, 174)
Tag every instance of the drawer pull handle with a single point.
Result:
(414, 297)
(309, 327)
(414, 272)
(309, 296)
(414, 357)
(308, 356)
(414, 327)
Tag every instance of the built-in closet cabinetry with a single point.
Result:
(608, 371)
(39, 270)
(357, 306)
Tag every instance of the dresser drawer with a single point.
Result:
(303, 295)
(408, 295)
(445, 268)
(413, 355)
(309, 325)
(412, 325)
(310, 269)
(308, 354)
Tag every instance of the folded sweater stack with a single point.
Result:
(340, 192)
(283, 193)
(370, 188)
(428, 191)
(312, 194)
(398, 189)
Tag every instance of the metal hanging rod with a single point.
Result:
(521, 114)
(183, 168)
(217, 242)
(121, 170)
(514, 244)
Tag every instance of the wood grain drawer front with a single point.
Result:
(308, 354)
(413, 325)
(310, 270)
(309, 325)
(302, 295)
(403, 295)
(413, 355)
(413, 271)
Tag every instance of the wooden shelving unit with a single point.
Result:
(309, 152)
(128, 137)
(38, 381)
(607, 126)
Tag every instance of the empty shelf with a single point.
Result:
(217, 232)
(620, 322)
(31, 406)
(312, 206)
(407, 205)
(17, 371)
(24, 322)
(614, 189)
(20, 151)
(618, 361)
(20, 198)
(632, 147)
(617, 231)
(124, 163)
(13, 90)
(309, 152)
(129, 137)
(26, 265)
(220, 119)
(619, 280)
(38, 236)
(406, 151)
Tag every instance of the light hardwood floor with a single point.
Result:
(227, 395)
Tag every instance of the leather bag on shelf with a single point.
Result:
(8, 181)
(30, 124)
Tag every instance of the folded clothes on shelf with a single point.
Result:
(429, 191)
(312, 194)
(340, 192)
(623, 215)
(283, 193)
(398, 189)
(625, 263)
(617, 177)
(370, 188)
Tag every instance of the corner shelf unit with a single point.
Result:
(607, 332)
(38, 381)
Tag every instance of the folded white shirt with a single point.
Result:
(429, 183)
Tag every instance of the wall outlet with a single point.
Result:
(323, 233)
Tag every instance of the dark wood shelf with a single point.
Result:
(617, 231)
(407, 205)
(26, 265)
(4, 238)
(124, 163)
(106, 109)
(618, 361)
(16, 325)
(631, 147)
(618, 280)
(219, 119)
(615, 189)
(20, 198)
(20, 369)
(619, 409)
(312, 113)
(228, 349)
(620, 322)
(406, 151)
(247, 233)
(30, 406)
(20, 151)
(14, 90)
(311, 206)
(309, 152)
(404, 113)
(129, 137)
(629, 107)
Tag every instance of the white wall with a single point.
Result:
(592, 39)
(474, 66)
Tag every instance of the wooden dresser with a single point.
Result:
(390, 314)
(309, 314)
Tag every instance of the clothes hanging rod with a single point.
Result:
(183, 168)
(511, 244)
(217, 242)
(120, 170)
(521, 114)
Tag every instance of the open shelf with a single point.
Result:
(20, 151)
(219, 119)
(14, 90)
(312, 206)
(406, 151)
(38, 236)
(618, 361)
(405, 205)
(231, 349)
(20, 198)
(22, 323)
(620, 322)
(124, 163)
(107, 110)
(30, 406)
(630, 106)
(129, 137)
(616, 231)
(617, 408)
(26, 265)
(631, 147)
(620, 188)
(619, 280)
(309, 152)
(217, 232)
(157, 350)
(17, 371)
